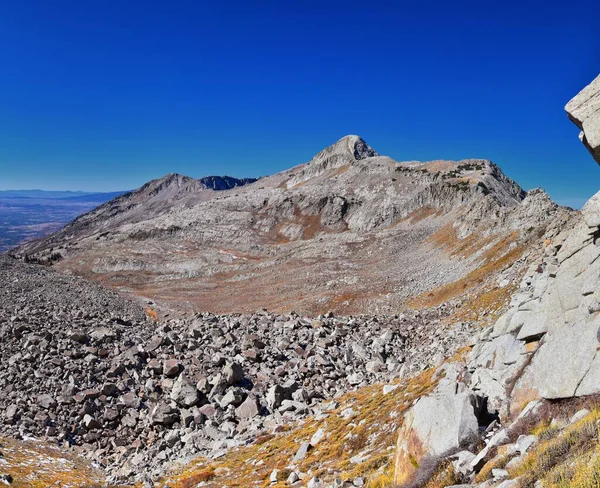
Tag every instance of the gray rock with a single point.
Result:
(164, 414)
(171, 368)
(301, 452)
(317, 437)
(46, 401)
(579, 415)
(273, 476)
(499, 474)
(526, 442)
(249, 408)
(462, 462)
(184, 393)
(234, 396)
(437, 434)
(233, 373)
(584, 111)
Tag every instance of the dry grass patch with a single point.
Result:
(367, 435)
(498, 462)
(34, 464)
(567, 459)
(474, 279)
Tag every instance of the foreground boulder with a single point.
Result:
(436, 425)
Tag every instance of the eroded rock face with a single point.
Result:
(584, 111)
(436, 425)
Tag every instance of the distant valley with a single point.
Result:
(27, 214)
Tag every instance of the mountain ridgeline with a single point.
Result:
(347, 231)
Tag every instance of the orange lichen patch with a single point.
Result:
(151, 313)
(421, 213)
(485, 307)
(409, 451)
(34, 464)
(359, 438)
(475, 278)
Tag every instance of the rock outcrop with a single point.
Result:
(584, 111)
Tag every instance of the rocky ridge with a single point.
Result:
(348, 232)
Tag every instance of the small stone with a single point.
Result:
(6, 478)
(171, 368)
(249, 408)
(46, 401)
(233, 373)
(301, 452)
(579, 415)
(164, 414)
(184, 393)
(317, 437)
(90, 422)
(234, 396)
(499, 474)
(525, 442)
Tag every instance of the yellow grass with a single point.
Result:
(370, 433)
(34, 464)
(567, 459)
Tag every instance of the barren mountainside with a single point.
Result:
(349, 231)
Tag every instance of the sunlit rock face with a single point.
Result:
(584, 111)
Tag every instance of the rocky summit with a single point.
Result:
(352, 321)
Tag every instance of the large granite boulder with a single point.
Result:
(584, 111)
(436, 425)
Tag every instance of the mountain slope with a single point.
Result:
(349, 231)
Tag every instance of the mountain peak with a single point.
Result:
(345, 152)
(350, 147)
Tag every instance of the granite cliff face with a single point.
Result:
(584, 111)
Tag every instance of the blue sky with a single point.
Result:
(105, 95)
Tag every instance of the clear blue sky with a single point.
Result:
(105, 95)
